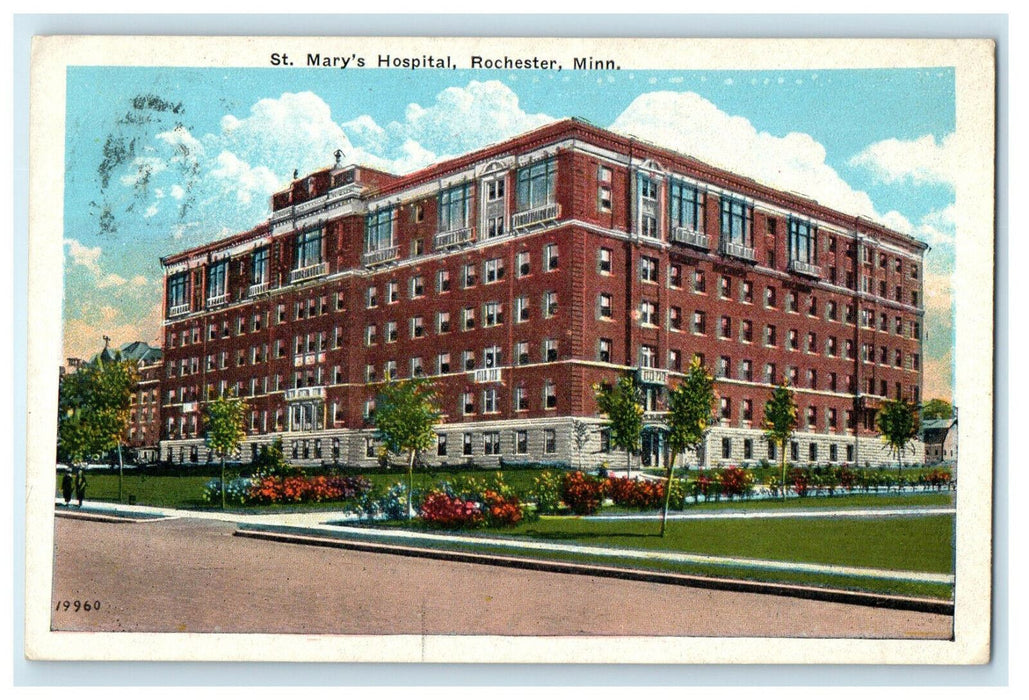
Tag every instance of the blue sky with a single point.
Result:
(159, 160)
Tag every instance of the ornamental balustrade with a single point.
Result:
(536, 215)
(178, 309)
(446, 239)
(383, 255)
(805, 268)
(218, 299)
(738, 250)
(305, 392)
(691, 237)
(256, 289)
(310, 272)
(652, 375)
(483, 376)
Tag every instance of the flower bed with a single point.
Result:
(269, 490)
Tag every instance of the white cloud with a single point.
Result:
(690, 124)
(294, 131)
(83, 255)
(920, 161)
(238, 179)
(461, 119)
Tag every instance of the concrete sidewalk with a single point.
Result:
(333, 525)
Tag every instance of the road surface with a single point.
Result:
(188, 575)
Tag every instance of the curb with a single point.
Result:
(319, 538)
(101, 517)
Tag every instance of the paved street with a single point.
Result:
(190, 575)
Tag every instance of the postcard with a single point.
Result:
(510, 350)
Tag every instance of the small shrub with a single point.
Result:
(237, 491)
(546, 492)
(582, 493)
(801, 482)
(636, 493)
(734, 481)
(443, 510)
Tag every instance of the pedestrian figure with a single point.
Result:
(66, 486)
(80, 486)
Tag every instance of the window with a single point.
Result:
(441, 444)
(604, 306)
(812, 448)
(831, 311)
(603, 198)
(417, 247)
(468, 318)
(467, 403)
(417, 327)
(770, 297)
(604, 350)
(725, 287)
(746, 331)
(550, 257)
(549, 304)
(726, 448)
(378, 230)
(648, 356)
(747, 292)
(549, 350)
(675, 318)
(792, 300)
(802, 241)
(443, 363)
(699, 324)
(391, 332)
(522, 352)
(699, 285)
(492, 314)
(746, 370)
(389, 370)
(443, 322)
(604, 261)
(648, 269)
(725, 327)
(736, 222)
(370, 334)
(259, 266)
(725, 410)
(723, 366)
(521, 399)
(675, 360)
(217, 282)
(489, 403)
(550, 441)
(648, 206)
(491, 442)
(468, 276)
(687, 206)
(675, 276)
(417, 286)
(416, 367)
(812, 342)
(393, 292)
(524, 267)
(832, 381)
(493, 270)
(830, 346)
(747, 410)
(491, 356)
(812, 378)
(536, 184)
(177, 290)
(454, 207)
(648, 313)
(443, 281)
(521, 309)
(521, 442)
(466, 447)
(549, 395)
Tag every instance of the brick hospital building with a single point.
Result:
(519, 276)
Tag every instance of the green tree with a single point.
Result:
(897, 421)
(937, 408)
(225, 418)
(623, 406)
(406, 415)
(779, 423)
(93, 410)
(690, 415)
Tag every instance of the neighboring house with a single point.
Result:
(519, 276)
(940, 436)
(145, 403)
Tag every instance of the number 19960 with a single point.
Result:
(77, 605)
